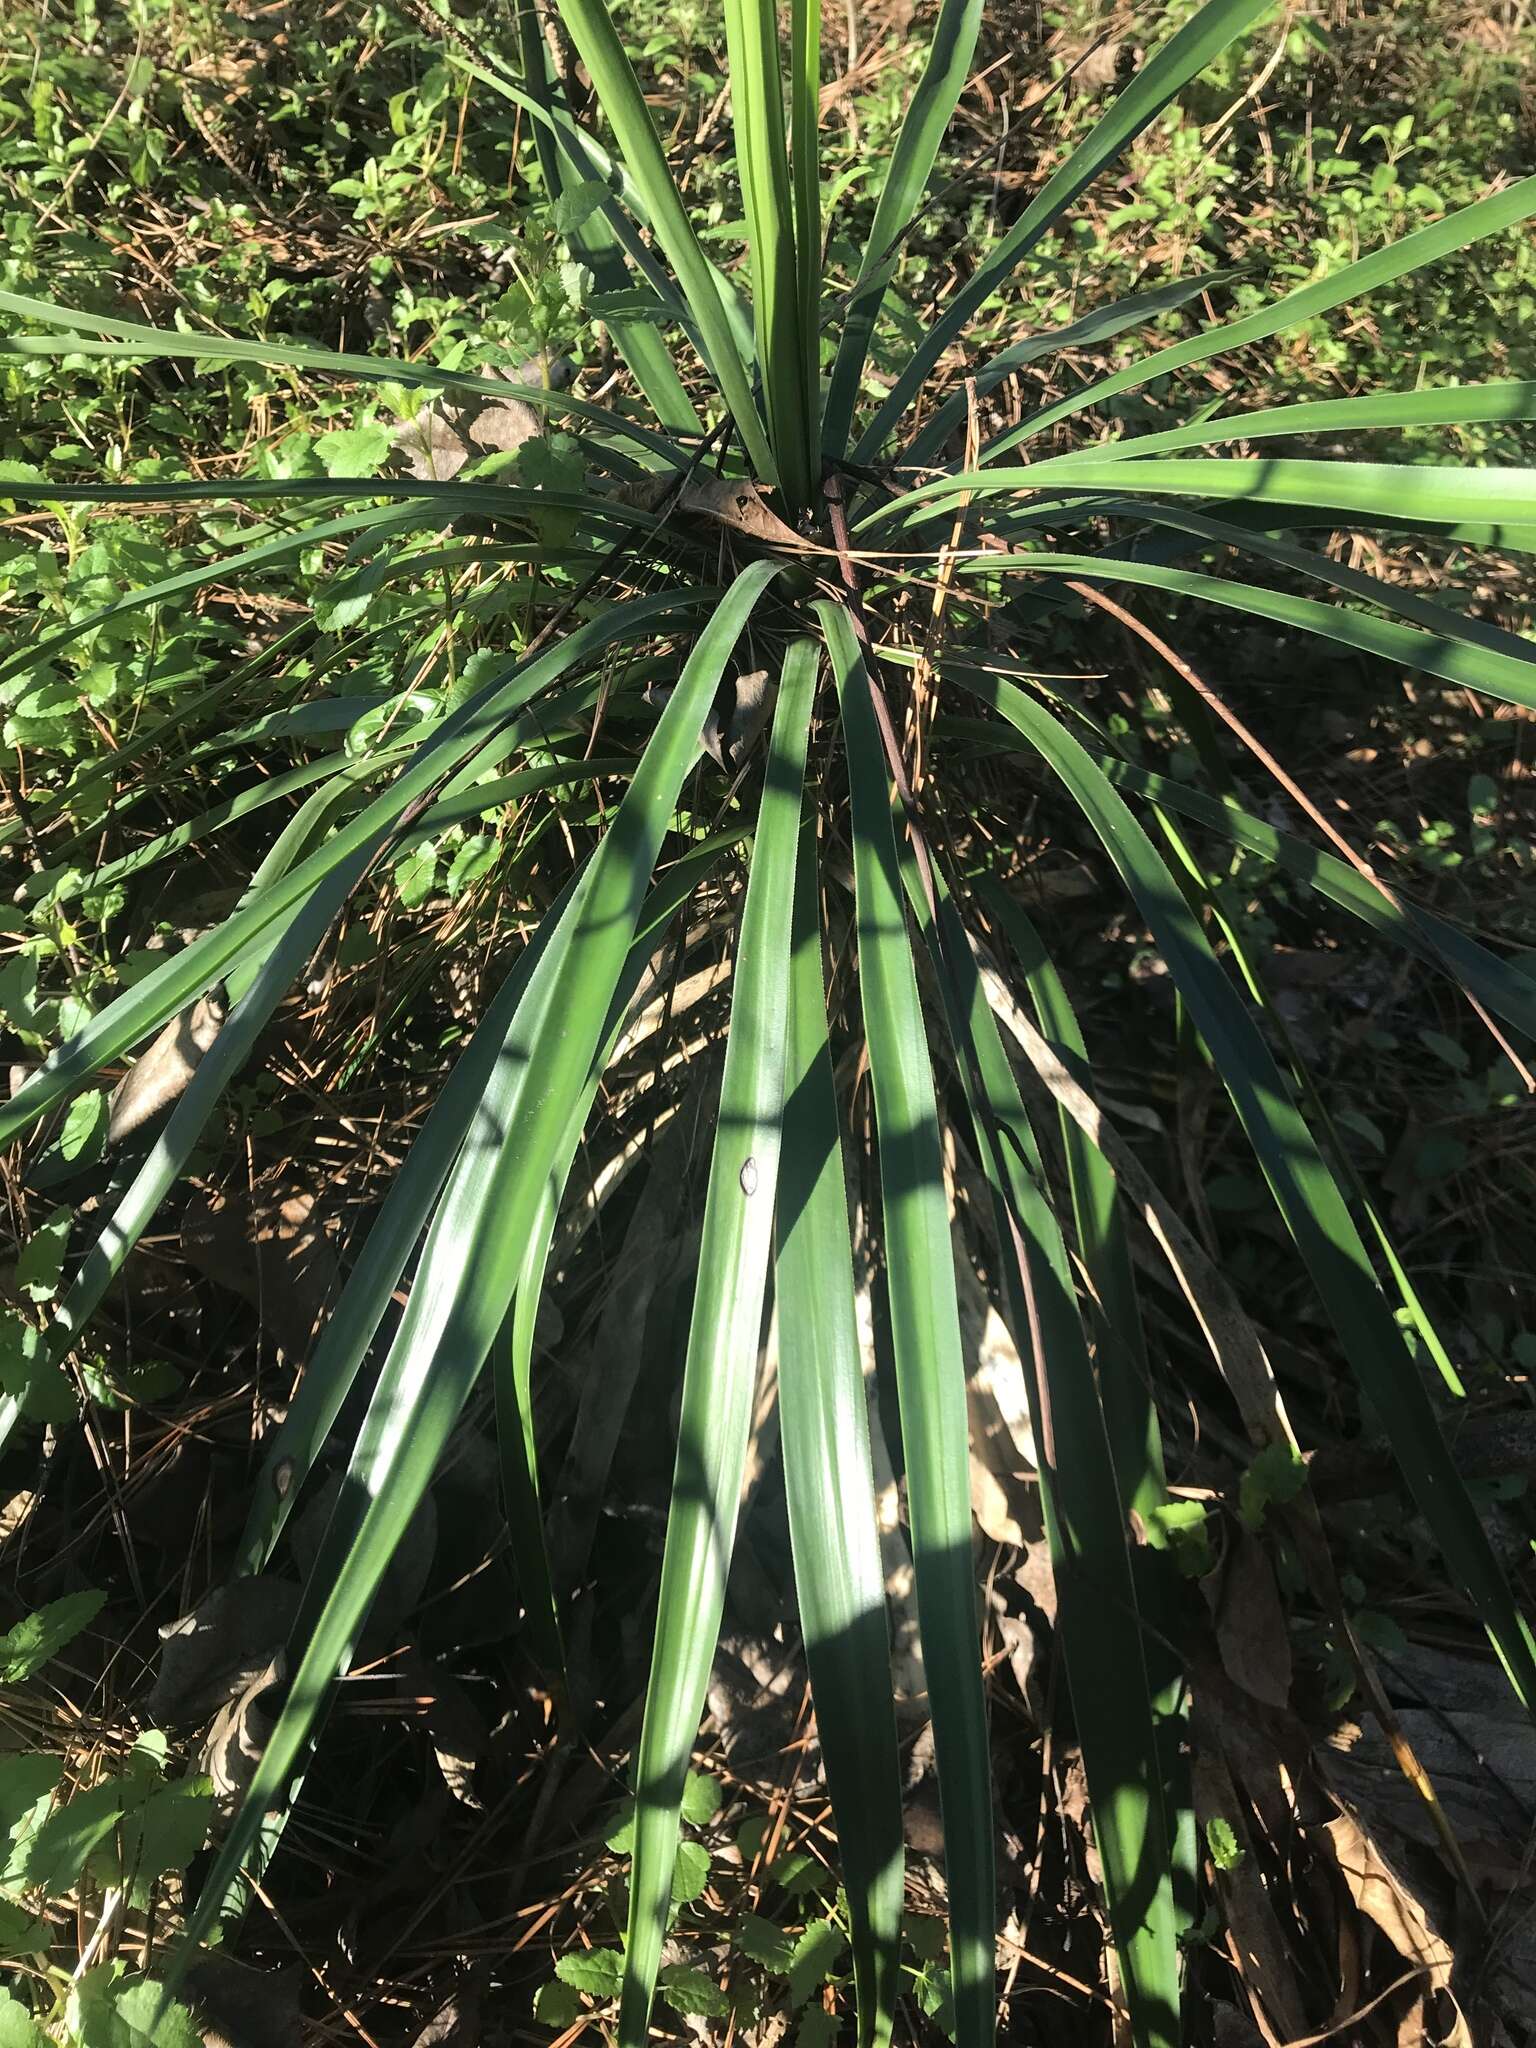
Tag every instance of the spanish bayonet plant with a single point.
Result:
(761, 489)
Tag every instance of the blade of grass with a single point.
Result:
(1124, 1373)
(599, 248)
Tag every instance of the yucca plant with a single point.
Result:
(818, 512)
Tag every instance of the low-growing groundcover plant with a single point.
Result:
(759, 505)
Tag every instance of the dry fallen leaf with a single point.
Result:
(271, 1250)
(241, 1730)
(1251, 1633)
(444, 436)
(730, 501)
(161, 1072)
(728, 736)
(220, 1648)
(1380, 1894)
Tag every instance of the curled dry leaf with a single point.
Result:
(728, 501)
(444, 436)
(161, 1072)
(221, 1648)
(737, 717)
(241, 1730)
(1382, 1896)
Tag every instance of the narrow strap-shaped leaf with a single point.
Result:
(906, 178)
(186, 975)
(1101, 325)
(409, 1202)
(516, 1442)
(598, 246)
(1489, 216)
(1436, 619)
(626, 213)
(478, 1241)
(805, 171)
(925, 1335)
(1129, 1414)
(1503, 986)
(1166, 73)
(89, 788)
(1456, 655)
(1085, 1510)
(1433, 496)
(1304, 1190)
(488, 500)
(1376, 412)
(249, 1015)
(829, 1484)
(618, 89)
(724, 1337)
(757, 109)
(226, 568)
(133, 339)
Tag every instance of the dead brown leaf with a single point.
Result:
(1382, 1896)
(270, 1249)
(1251, 1634)
(161, 1072)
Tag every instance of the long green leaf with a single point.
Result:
(906, 178)
(805, 171)
(225, 568)
(1180, 59)
(724, 1336)
(925, 1333)
(1489, 216)
(188, 974)
(1101, 325)
(477, 1245)
(1084, 1505)
(596, 242)
(829, 1484)
(1430, 496)
(1304, 1190)
(132, 340)
(1455, 405)
(757, 106)
(1503, 986)
(1457, 652)
(618, 89)
(409, 1202)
